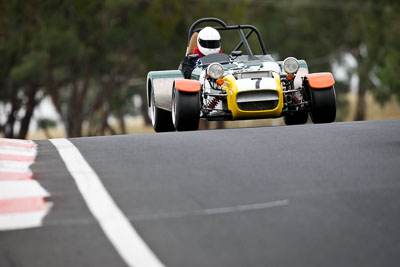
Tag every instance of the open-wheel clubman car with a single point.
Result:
(238, 86)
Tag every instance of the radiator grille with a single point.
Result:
(257, 100)
(257, 106)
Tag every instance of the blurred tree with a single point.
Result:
(386, 80)
(20, 72)
(363, 42)
(369, 36)
(91, 56)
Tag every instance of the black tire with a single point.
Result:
(295, 117)
(185, 110)
(323, 105)
(161, 119)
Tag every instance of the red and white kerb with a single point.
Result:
(22, 199)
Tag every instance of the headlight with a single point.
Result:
(290, 65)
(215, 70)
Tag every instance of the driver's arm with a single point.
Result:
(187, 67)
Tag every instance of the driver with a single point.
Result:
(208, 42)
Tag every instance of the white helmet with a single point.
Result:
(209, 41)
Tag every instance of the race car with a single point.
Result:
(238, 86)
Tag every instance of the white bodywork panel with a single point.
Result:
(163, 92)
(298, 81)
(271, 66)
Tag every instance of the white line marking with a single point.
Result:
(14, 221)
(214, 211)
(19, 189)
(256, 206)
(115, 225)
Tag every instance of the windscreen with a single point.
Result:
(218, 58)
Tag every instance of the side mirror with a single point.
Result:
(193, 56)
(236, 53)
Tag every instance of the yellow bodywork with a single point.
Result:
(232, 90)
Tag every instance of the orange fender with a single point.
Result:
(320, 80)
(186, 85)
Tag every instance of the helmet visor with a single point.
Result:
(210, 43)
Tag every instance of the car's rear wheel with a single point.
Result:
(185, 110)
(323, 105)
(160, 118)
(295, 117)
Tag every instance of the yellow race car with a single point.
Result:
(238, 86)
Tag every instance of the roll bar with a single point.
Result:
(223, 27)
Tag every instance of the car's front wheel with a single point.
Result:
(323, 105)
(185, 110)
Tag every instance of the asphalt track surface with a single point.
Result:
(310, 195)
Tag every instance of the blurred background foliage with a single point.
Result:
(91, 57)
